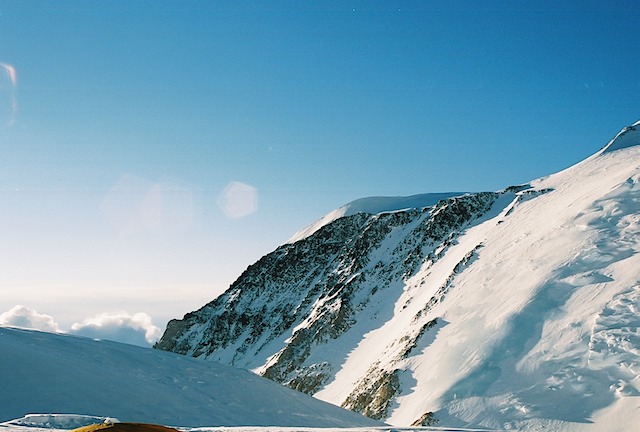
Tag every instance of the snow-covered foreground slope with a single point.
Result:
(52, 373)
(513, 309)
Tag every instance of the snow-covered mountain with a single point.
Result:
(509, 309)
(54, 373)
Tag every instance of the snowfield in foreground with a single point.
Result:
(53, 373)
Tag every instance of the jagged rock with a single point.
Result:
(427, 419)
(373, 394)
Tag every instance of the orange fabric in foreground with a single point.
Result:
(125, 427)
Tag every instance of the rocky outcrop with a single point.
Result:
(373, 394)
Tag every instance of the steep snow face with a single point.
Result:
(494, 310)
(53, 373)
(374, 205)
(627, 137)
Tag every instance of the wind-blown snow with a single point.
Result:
(373, 205)
(53, 373)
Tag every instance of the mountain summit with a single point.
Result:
(508, 309)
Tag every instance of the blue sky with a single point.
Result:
(122, 124)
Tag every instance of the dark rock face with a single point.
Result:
(427, 419)
(281, 313)
(373, 394)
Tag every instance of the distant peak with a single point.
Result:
(627, 137)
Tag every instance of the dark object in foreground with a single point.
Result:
(125, 427)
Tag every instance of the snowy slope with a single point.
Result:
(542, 323)
(627, 137)
(53, 373)
(513, 309)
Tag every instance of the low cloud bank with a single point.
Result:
(136, 329)
(21, 316)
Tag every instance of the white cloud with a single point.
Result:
(137, 329)
(238, 200)
(21, 316)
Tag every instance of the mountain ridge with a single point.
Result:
(374, 205)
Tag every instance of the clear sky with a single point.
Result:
(151, 151)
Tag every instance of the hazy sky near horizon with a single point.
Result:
(151, 151)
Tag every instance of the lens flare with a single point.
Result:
(11, 73)
(238, 200)
(12, 77)
(136, 204)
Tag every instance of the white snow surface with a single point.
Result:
(373, 205)
(54, 373)
(541, 328)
